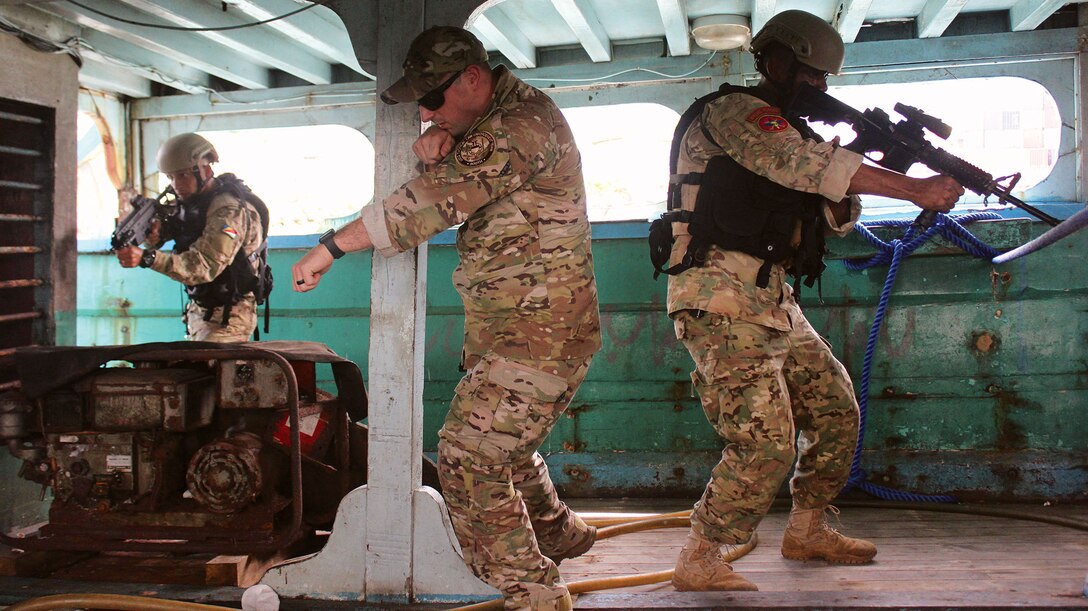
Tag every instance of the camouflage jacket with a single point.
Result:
(757, 137)
(514, 184)
(230, 224)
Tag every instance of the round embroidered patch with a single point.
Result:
(475, 149)
(772, 123)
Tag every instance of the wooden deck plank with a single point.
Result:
(925, 558)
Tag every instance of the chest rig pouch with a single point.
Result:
(737, 209)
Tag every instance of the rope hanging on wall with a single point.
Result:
(892, 253)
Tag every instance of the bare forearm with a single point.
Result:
(877, 181)
(353, 237)
(934, 193)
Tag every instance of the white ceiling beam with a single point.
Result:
(181, 46)
(326, 35)
(147, 64)
(850, 17)
(935, 16)
(1028, 14)
(762, 10)
(674, 16)
(582, 19)
(497, 29)
(262, 45)
(106, 49)
(101, 76)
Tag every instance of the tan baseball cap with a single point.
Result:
(433, 56)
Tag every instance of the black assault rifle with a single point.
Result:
(133, 229)
(903, 144)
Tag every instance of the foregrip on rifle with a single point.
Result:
(968, 175)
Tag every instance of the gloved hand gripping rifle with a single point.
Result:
(903, 144)
(133, 229)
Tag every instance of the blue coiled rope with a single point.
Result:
(892, 253)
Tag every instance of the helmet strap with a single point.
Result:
(199, 178)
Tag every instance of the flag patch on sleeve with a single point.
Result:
(772, 123)
(231, 231)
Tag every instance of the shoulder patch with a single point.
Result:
(230, 231)
(763, 111)
(475, 149)
(772, 123)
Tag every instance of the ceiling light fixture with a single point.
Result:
(721, 32)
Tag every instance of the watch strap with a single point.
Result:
(327, 240)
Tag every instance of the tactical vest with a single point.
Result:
(239, 279)
(737, 209)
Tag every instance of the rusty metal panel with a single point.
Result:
(26, 196)
(170, 399)
(251, 384)
(93, 468)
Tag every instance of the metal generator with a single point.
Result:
(185, 446)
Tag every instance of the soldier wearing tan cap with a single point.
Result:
(500, 162)
(768, 189)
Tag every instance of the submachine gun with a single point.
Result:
(903, 144)
(133, 229)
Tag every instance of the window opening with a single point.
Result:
(625, 158)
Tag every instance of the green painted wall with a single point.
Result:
(979, 386)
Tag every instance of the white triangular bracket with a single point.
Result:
(338, 571)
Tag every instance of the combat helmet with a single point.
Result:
(185, 152)
(812, 40)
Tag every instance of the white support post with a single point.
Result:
(397, 310)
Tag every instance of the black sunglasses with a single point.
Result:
(435, 98)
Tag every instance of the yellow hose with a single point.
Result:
(603, 522)
(643, 524)
(114, 602)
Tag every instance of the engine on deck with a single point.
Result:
(222, 449)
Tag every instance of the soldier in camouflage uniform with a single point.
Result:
(231, 226)
(501, 162)
(769, 384)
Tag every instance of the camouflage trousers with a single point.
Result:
(239, 327)
(501, 500)
(778, 399)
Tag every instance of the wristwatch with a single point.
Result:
(148, 258)
(326, 239)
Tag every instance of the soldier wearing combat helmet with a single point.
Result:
(501, 162)
(219, 251)
(753, 195)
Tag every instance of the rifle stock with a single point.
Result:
(902, 144)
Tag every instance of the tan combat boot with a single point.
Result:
(573, 543)
(539, 597)
(701, 568)
(809, 536)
